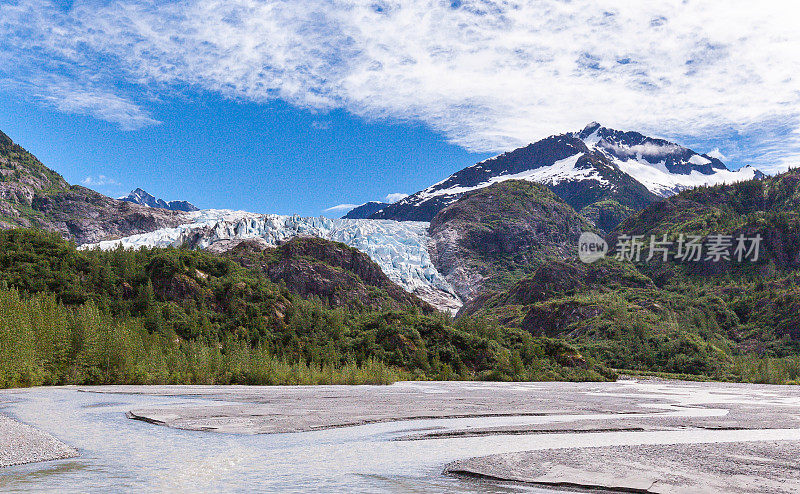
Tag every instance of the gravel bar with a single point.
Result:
(21, 443)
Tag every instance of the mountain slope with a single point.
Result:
(769, 207)
(508, 227)
(595, 164)
(563, 163)
(692, 317)
(664, 167)
(158, 316)
(340, 275)
(32, 195)
(139, 196)
(365, 210)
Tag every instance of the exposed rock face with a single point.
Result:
(86, 216)
(492, 231)
(330, 270)
(32, 195)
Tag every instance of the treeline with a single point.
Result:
(182, 316)
(42, 342)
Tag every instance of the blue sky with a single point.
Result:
(293, 107)
(218, 153)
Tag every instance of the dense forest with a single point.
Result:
(723, 318)
(183, 316)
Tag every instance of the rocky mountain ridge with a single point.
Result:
(140, 196)
(504, 228)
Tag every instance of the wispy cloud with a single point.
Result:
(340, 208)
(395, 196)
(38, 61)
(100, 181)
(97, 103)
(489, 75)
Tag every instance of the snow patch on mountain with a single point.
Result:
(399, 248)
(660, 181)
(560, 171)
(665, 168)
(696, 159)
(142, 197)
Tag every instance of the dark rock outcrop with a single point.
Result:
(365, 210)
(341, 275)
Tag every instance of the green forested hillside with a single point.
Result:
(172, 315)
(723, 319)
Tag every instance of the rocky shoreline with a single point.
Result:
(21, 443)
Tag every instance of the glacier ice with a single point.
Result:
(399, 248)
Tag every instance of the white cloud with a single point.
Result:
(100, 104)
(716, 153)
(489, 74)
(646, 149)
(340, 208)
(100, 181)
(395, 196)
(38, 61)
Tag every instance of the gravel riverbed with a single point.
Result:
(21, 443)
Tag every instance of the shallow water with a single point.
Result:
(119, 454)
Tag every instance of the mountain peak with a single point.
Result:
(662, 166)
(141, 196)
(584, 167)
(590, 127)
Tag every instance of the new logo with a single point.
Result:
(591, 247)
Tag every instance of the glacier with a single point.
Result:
(399, 248)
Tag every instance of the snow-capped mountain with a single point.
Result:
(142, 197)
(582, 167)
(665, 168)
(400, 249)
